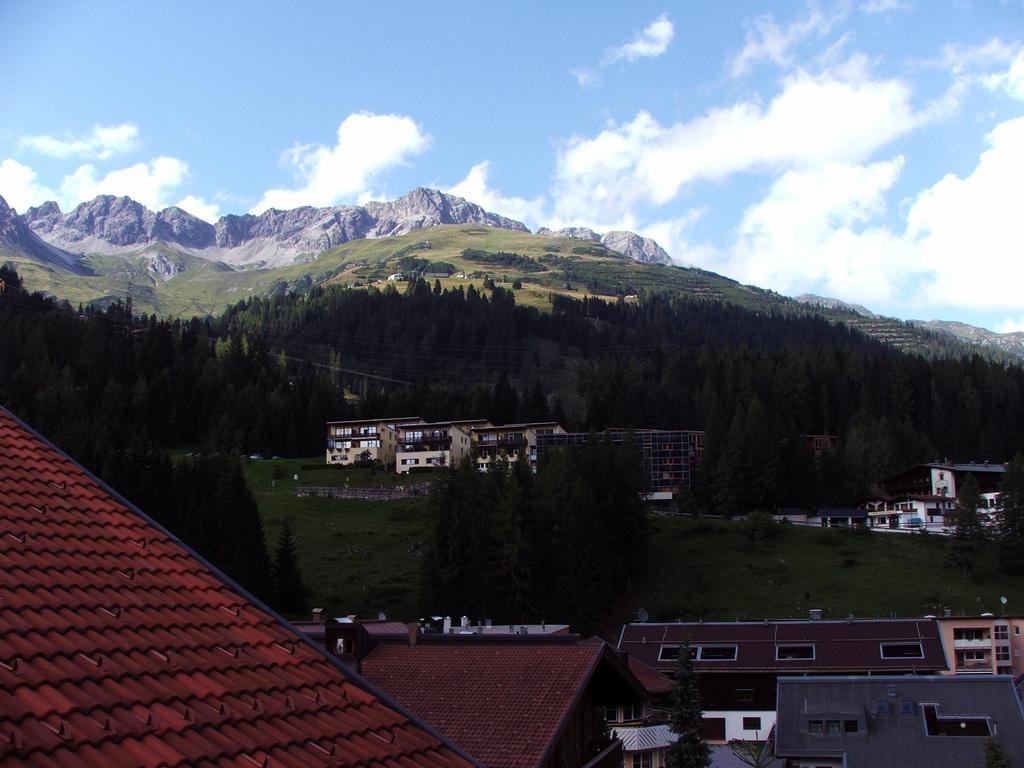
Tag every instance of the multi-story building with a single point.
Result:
(739, 663)
(365, 440)
(924, 496)
(985, 644)
(669, 457)
(896, 722)
(510, 441)
(437, 444)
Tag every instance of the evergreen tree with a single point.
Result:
(1010, 515)
(968, 531)
(690, 750)
(289, 589)
(996, 755)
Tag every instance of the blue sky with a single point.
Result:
(871, 150)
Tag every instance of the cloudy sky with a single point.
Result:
(871, 150)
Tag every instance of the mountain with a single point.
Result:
(830, 303)
(1011, 343)
(629, 244)
(274, 238)
(18, 240)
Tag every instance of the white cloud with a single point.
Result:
(653, 41)
(366, 145)
(102, 143)
(1011, 81)
(814, 120)
(209, 212)
(767, 41)
(820, 229)
(475, 189)
(969, 230)
(1011, 325)
(883, 6)
(20, 188)
(147, 183)
(585, 77)
(813, 231)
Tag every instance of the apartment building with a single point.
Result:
(740, 663)
(924, 496)
(983, 645)
(668, 457)
(510, 441)
(365, 440)
(436, 444)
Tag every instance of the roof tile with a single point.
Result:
(120, 647)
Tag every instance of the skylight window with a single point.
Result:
(902, 651)
(717, 653)
(794, 652)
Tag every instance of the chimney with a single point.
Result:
(946, 613)
(464, 622)
(447, 626)
(414, 632)
(318, 615)
(487, 623)
(815, 614)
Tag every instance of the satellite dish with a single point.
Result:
(1003, 600)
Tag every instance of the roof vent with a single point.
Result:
(947, 612)
(890, 691)
(815, 614)
(642, 616)
(318, 615)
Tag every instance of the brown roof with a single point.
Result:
(656, 683)
(119, 646)
(505, 703)
(839, 646)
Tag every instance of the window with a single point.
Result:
(668, 653)
(816, 727)
(643, 760)
(794, 652)
(936, 725)
(611, 714)
(744, 695)
(832, 728)
(902, 651)
(975, 656)
(906, 707)
(1002, 632)
(751, 723)
(1003, 654)
(881, 707)
(410, 462)
(717, 653)
(850, 726)
(632, 712)
(970, 633)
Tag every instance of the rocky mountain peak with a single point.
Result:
(635, 247)
(575, 233)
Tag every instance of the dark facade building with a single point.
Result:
(668, 456)
(739, 663)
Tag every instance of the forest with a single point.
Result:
(119, 391)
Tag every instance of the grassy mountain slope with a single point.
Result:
(543, 264)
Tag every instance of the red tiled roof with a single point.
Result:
(653, 681)
(121, 647)
(504, 703)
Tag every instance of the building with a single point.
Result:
(895, 722)
(924, 496)
(668, 457)
(984, 645)
(740, 662)
(364, 441)
(513, 702)
(432, 445)
(120, 646)
(510, 441)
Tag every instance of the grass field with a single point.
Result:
(356, 556)
(364, 557)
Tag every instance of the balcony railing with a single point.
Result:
(971, 643)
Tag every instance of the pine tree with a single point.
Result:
(289, 589)
(967, 526)
(996, 755)
(1010, 514)
(690, 750)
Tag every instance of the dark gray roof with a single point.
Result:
(898, 738)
